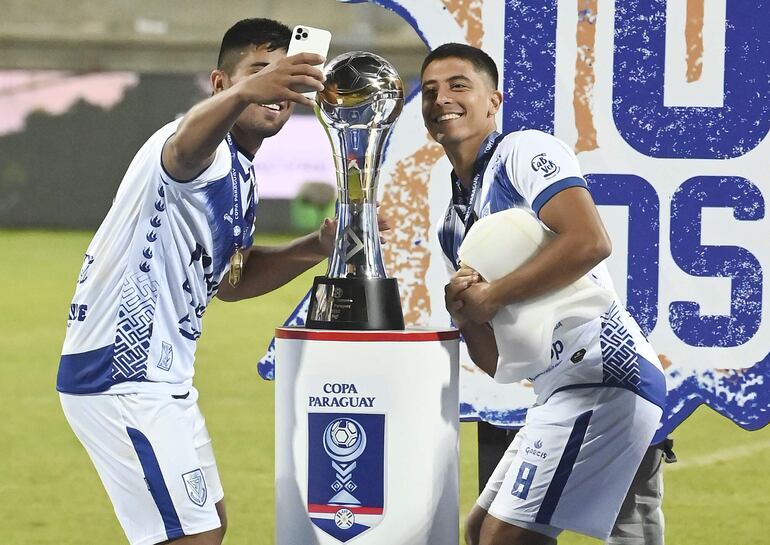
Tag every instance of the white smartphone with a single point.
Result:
(306, 39)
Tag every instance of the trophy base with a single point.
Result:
(355, 303)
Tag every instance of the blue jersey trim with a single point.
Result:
(87, 372)
(653, 383)
(548, 193)
(156, 484)
(564, 469)
(652, 387)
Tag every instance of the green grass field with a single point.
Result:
(50, 493)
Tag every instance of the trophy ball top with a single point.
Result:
(361, 89)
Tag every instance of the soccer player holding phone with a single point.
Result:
(179, 233)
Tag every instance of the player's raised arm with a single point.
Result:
(260, 84)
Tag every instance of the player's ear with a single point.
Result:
(219, 81)
(495, 100)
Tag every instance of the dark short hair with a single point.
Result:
(482, 62)
(257, 32)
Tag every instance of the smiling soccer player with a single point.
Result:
(599, 400)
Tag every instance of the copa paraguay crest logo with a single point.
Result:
(346, 472)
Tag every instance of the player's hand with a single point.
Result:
(383, 224)
(479, 305)
(460, 281)
(279, 80)
(328, 231)
(326, 236)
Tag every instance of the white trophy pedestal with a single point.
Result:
(366, 437)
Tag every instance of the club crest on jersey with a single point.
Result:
(166, 356)
(346, 473)
(195, 485)
(88, 260)
(542, 164)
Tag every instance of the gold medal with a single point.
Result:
(236, 267)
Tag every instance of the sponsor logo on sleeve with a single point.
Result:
(542, 164)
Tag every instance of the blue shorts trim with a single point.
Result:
(564, 469)
(156, 484)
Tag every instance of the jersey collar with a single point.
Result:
(461, 194)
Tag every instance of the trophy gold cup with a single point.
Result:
(362, 98)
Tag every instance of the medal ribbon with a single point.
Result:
(458, 193)
(237, 216)
(236, 259)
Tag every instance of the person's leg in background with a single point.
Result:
(640, 520)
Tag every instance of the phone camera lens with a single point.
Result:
(304, 35)
(300, 31)
(298, 37)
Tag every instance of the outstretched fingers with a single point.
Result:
(299, 98)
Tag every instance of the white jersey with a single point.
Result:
(525, 169)
(150, 271)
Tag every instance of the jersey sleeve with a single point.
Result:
(540, 166)
(218, 169)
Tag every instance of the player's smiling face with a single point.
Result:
(264, 120)
(458, 102)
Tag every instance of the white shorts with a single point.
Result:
(570, 466)
(154, 457)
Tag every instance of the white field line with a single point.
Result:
(717, 456)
